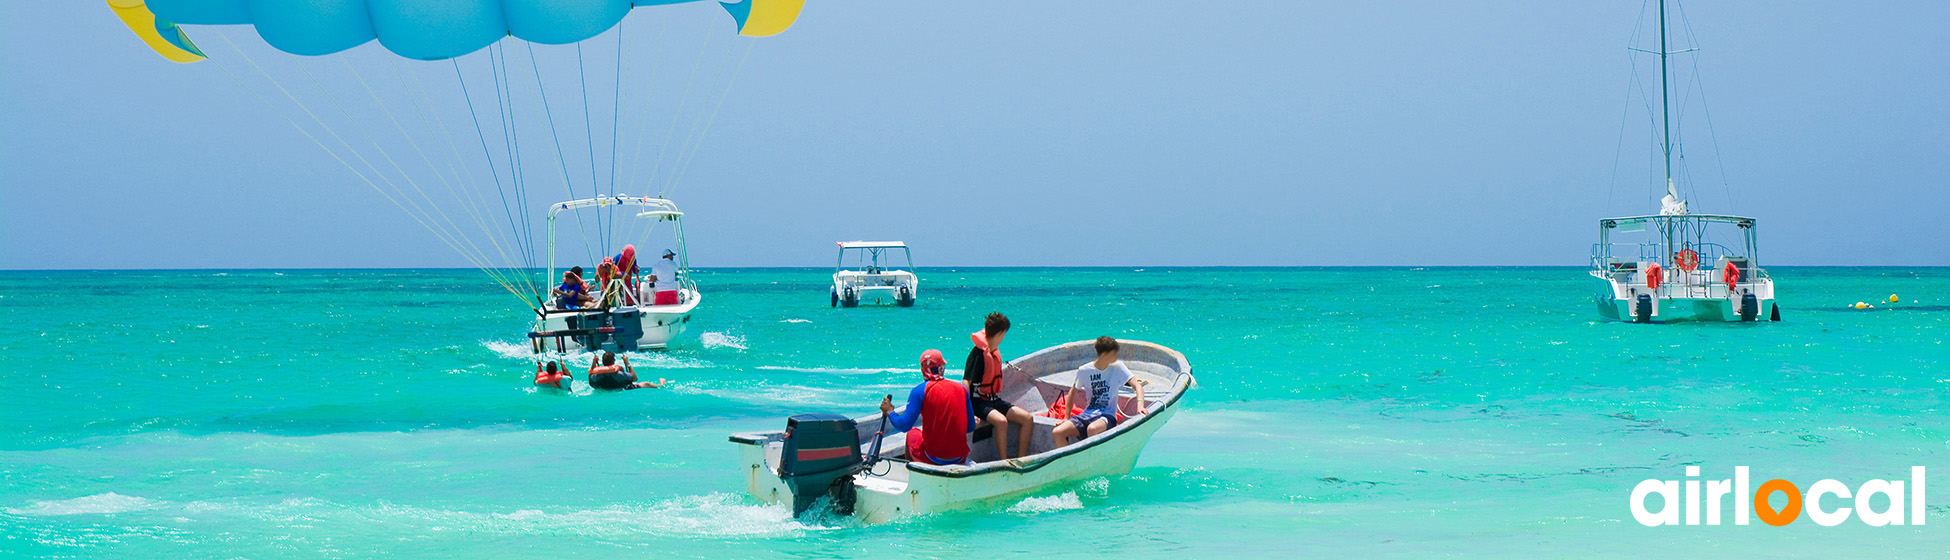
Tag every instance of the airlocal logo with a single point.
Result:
(1717, 491)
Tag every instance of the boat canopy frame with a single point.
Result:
(1676, 232)
(873, 249)
(652, 208)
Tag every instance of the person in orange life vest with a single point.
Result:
(610, 376)
(1101, 379)
(983, 373)
(663, 279)
(941, 407)
(554, 375)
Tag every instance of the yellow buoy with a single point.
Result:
(1892, 298)
(1861, 305)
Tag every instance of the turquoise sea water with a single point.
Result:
(1340, 412)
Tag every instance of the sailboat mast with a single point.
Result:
(1665, 96)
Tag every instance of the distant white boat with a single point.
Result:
(634, 323)
(1680, 266)
(875, 277)
(828, 465)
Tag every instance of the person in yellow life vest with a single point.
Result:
(983, 373)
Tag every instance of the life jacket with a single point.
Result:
(603, 370)
(944, 414)
(991, 365)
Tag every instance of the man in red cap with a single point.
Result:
(942, 408)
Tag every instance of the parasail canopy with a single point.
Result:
(417, 29)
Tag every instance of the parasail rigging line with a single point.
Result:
(439, 234)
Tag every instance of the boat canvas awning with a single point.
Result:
(871, 245)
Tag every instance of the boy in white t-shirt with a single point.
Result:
(1101, 380)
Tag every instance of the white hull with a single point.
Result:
(661, 323)
(1696, 299)
(897, 488)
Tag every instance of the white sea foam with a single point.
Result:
(710, 515)
(522, 352)
(797, 321)
(97, 504)
(722, 340)
(850, 371)
(1045, 504)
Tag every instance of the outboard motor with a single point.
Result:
(821, 455)
(1749, 307)
(1642, 309)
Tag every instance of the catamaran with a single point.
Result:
(630, 319)
(875, 276)
(1676, 265)
(817, 461)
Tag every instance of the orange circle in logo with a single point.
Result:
(1783, 516)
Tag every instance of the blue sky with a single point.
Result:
(1061, 133)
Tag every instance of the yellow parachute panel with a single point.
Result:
(135, 14)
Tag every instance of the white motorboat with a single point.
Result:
(874, 277)
(630, 320)
(828, 465)
(1683, 266)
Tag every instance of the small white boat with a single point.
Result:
(633, 322)
(1681, 267)
(874, 277)
(875, 492)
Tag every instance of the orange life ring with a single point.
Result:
(1686, 260)
(1652, 276)
(1732, 276)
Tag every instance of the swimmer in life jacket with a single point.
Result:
(612, 377)
(553, 375)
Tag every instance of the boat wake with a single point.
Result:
(521, 352)
(844, 371)
(722, 340)
(710, 515)
(1046, 504)
(106, 503)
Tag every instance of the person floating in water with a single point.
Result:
(941, 408)
(552, 375)
(983, 373)
(612, 377)
(1101, 379)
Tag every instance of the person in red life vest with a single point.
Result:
(663, 279)
(626, 269)
(941, 406)
(612, 377)
(1100, 381)
(983, 373)
(554, 375)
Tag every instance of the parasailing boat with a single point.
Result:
(391, 88)
(632, 319)
(817, 460)
(1676, 265)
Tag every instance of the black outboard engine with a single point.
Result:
(1642, 310)
(822, 453)
(1749, 307)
